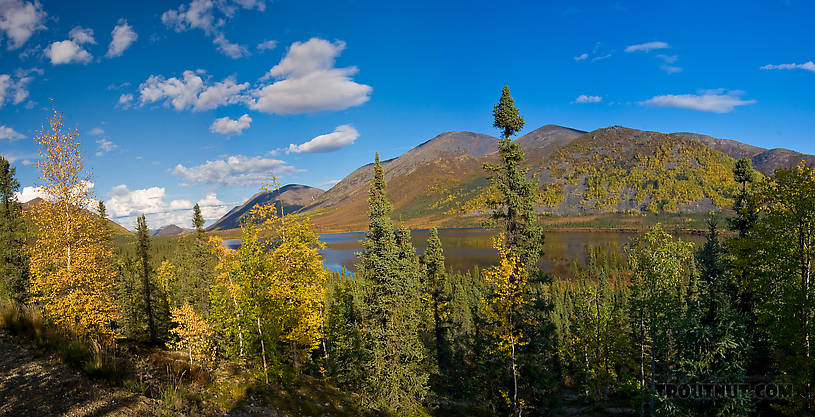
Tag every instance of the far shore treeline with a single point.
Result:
(405, 335)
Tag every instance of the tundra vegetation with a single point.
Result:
(407, 336)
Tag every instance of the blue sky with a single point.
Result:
(201, 101)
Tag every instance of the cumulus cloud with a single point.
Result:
(212, 208)
(81, 35)
(124, 202)
(210, 17)
(306, 81)
(14, 88)
(30, 193)
(191, 91)
(67, 52)
(19, 20)
(234, 170)
(232, 50)
(267, 45)
(341, 136)
(123, 36)
(588, 99)
(715, 101)
(808, 66)
(9, 133)
(105, 146)
(647, 47)
(227, 126)
(125, 101)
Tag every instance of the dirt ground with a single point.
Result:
(33, 383)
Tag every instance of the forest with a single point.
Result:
(665, 328)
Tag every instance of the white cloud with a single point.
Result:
(125, 100)
(30, 193)
(81, 35)
(196, 15)
(588, 99)
(715, 101)
(234, 170)
(581, 57)
(190, 92)
(647, 47)
(123, 36)
(97, 131)
(341, 136)
(66, 52)
(307, 81)
(19, 20)
(105, 146)
(329, 183)
(14, 89)
(201, 14)
(232, 50)
(809, 66)
(670, 69)
(9, 133)
(267, 45)
(212, 208)
(227, 126)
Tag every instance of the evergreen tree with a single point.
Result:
(101, 209)
(713, 342)
(396, 372)
(514, 205)
(143, 250)
(198, 220)
(745, 208)
(783, 243)
(13, 258)
(196, 265)
(438, 289)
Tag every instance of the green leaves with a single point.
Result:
(507, 116)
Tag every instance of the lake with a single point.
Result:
(464, 248)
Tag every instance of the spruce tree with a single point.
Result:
(13, 258)
(745, 208)
(198, 220)
(514, 206)
(396, 373)
(438, 288)
(101, 209)
(143, 251)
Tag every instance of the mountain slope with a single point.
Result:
(293, 198)
(765, 161)
(169, 230)
(115, 227)
(611, 170)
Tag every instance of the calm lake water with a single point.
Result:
(464, 248)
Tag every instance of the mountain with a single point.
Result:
(293, 198)
(169, 230)
(765, 161)
(610, 170)
(116, 227)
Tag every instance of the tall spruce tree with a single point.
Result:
(396, 372)
(514, 205)
(13, 258)
(143, 251)
(745, 208)
(438, 289)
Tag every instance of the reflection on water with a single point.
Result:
(465, 248)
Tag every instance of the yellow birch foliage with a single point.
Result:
(193, 332)
(276, 276)
(72, 273)
(509, 283)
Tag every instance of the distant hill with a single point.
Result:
(611, 170)
(116, 227)
(170, 230)
(765, 161)
(292, 198)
